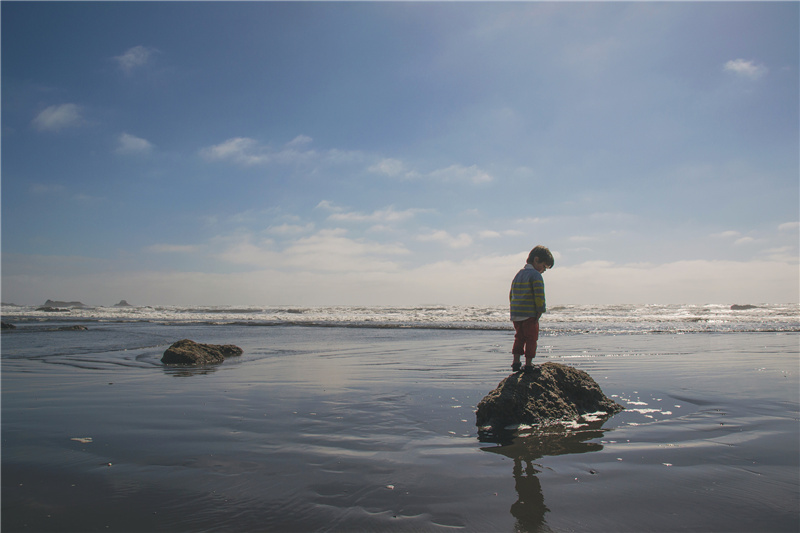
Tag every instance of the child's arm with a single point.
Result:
(537, 286)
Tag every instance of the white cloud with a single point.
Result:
(246, 151)
(133, 58)
(331, 249)
(328, 250)
(394, 168)
(745, 69)
(243, 251)
(130, 144)
(462, 240)
(290, 229)
(239, 150)
(491, 234)
(388, 166)
(785, 254)
(789, 226)
(529, 220)
(737, 236)
(58, 117)
(461, 173)
(454, 173)
(379, 228)
(327, 204)
(388, 214)
(691, 281)
(300, 140)
(249, 152)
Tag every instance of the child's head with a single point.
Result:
(542, 253)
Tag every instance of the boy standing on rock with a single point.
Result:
(528, 304)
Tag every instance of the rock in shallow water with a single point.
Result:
(188, 352)
(551, 392)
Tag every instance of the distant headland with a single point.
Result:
(55, 305)
(59, 303)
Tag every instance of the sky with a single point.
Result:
(410, 153)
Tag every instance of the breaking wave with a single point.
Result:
(562, 319)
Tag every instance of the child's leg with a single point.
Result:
(531, 339)
(519, 342)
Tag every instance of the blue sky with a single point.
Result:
(371, 153)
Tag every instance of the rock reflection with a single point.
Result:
(185, 371)
(525, 447)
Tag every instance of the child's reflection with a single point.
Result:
(529, 510)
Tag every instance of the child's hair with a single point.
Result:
(544, 255)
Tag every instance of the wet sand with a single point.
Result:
(345, 429)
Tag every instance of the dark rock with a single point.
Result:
(738, 307)
(73, 328)
(550, 393)
(49, 309)
(52, 303)
(6, 325)
(122, 303)
(188, 352)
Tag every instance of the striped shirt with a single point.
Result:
(527, 294)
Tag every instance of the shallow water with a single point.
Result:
(341, 429)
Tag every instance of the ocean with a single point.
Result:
(560, 319)
(363, 419)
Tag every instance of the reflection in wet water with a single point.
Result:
(186, 371)
(525, 447)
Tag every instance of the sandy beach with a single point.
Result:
(373, 429)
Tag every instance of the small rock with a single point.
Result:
(6, 325)
(550, 393)
(188, 352)
(73, 328)
(743, 307)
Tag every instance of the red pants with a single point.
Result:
(525, 339)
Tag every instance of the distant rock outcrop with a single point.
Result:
(549, 393)
(77, 327)
(58, 303)
(122, 303)
(188, 352)
(744, 307)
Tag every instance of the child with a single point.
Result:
(527, 305)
